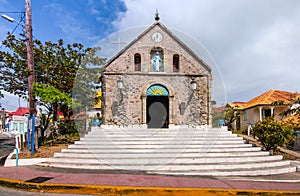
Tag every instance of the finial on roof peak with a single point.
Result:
(156, 15)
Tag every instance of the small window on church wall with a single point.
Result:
(157, 59)
(137, 62)
(176, 63)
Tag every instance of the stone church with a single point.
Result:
(156, 81)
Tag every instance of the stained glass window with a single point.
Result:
(157, 90)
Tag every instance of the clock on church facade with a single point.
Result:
(156, 81)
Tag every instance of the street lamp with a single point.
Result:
(193, 85)
(10, 19)
(120, 84)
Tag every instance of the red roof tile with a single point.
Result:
(267, 98)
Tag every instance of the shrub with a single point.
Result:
(67, 127)
(272, 133)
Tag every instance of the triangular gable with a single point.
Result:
(166, 30)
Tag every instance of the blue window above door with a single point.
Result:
(157, 90)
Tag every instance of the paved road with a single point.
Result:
(9, 192)
(6, 147)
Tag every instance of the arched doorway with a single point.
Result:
(157, 106)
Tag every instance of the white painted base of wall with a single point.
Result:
(22, 162)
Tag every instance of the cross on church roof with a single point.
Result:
(119, 42)
(157, 15)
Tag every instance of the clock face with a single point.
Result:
(157, 36)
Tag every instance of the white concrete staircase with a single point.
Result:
(174, 151)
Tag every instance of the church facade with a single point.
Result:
(156, 81)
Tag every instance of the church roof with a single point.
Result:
(171, 34)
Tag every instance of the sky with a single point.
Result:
(255, 44)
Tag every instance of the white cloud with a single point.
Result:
(70, 25)
(11, 102)
(255, 43)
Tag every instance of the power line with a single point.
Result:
(11, 12)
(21, 22)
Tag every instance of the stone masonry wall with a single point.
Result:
(125, 106)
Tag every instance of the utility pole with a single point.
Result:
(30, 75)
(30, 56)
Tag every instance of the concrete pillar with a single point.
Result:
(171, 110)
(272, 111)
(260, 113)
(144, 114)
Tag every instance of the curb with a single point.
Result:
(9, 162)
(130, 190)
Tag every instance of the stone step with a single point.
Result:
(180, 151)
(175, 148)
(206, 146)
(97, 129)
(156, 132)
(163, 153)
(158, 158)
(221, 166)
(155, 144)
(165, 166)
(184, 128)
(198, 172)
(153, 137)
(241, 172)
(150, 138)
(161, 139)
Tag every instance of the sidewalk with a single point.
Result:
(34, 178)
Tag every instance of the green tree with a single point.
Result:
(49, 97)
(217, 116)
(56, 66)
(293, 109)
(272, 133)
(231, 114)
(292, 114)
(88, 81)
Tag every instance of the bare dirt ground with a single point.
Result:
(41, 152)
(50, 147)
